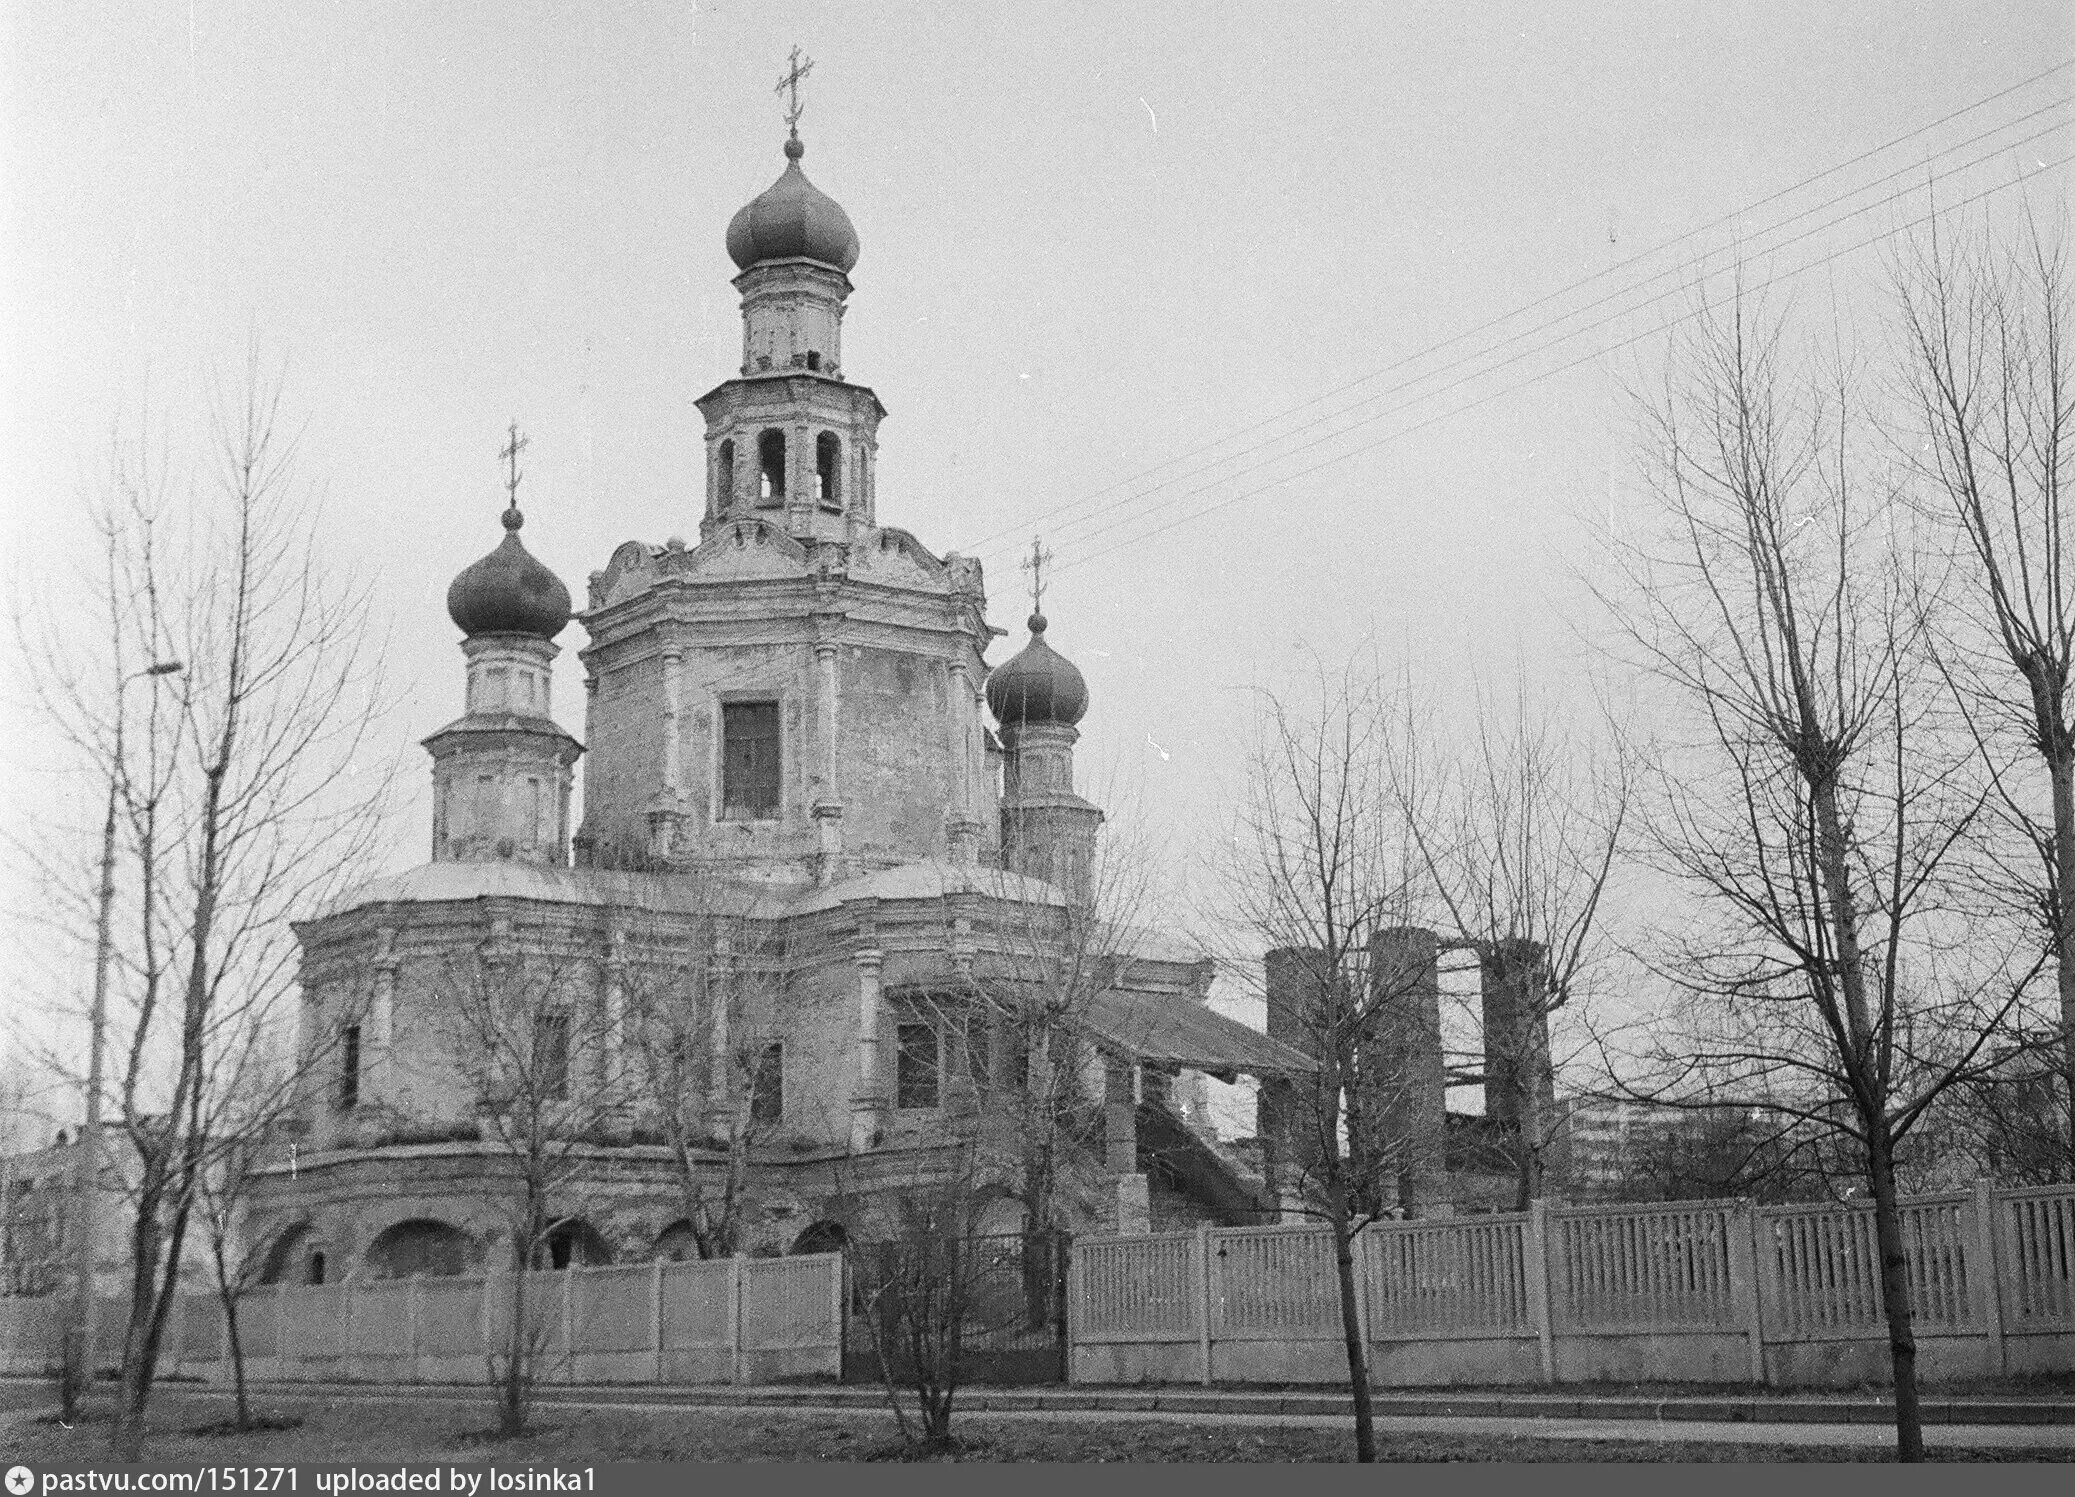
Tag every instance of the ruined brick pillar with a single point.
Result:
(1404, 1079)
(1286, 1108)
(1519, 1080)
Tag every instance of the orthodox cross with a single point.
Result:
(1035, 564)
(513, 448)
(792, 81)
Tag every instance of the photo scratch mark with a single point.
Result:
(1150, 115)
(1164, 755)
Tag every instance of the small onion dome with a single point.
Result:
(1038, 685)
(508, 592)
(792, 218)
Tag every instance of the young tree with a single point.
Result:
(703, 1060)
(1817, 812)
(1317, 871)
(537, 1045)
(919, 1281)
(260, 1088)
(1989, 374)
(244, 790)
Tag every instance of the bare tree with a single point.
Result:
(1517, 829)
(261, 1088)
(919, 1281)
(1989, 373)
(702, 1011)
(1826, 973)
(1316, 870)
(537, 1046)
(244, 789)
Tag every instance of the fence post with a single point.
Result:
(346, 1322)
(486, 1320)
(1537, 1273)
(1740, 1221)
(839, 1307)
(735, 1319)
(281, 1329)
(569, 1321)
(414, 1318)
(1203, 1301)
(655, 1319)
(1990, 1277)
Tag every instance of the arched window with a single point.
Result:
(828, 462)
(724, 475)
(771, 460)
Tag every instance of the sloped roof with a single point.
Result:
(1169, 1029)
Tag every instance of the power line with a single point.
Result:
(980, 545)
(1227, 503)
(1551, 323)
(1473, 375)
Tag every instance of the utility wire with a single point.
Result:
(1532, 332)
(1475, 374)
(1543, 301)
(1211, 509)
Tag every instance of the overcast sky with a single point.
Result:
(1096, 239)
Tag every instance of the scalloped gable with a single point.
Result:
(746, 549)
(894, 556)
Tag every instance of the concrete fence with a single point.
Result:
(718, 1321)
(1710, 1291)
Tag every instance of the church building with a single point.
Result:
(831, 927)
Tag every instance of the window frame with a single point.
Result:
(767, 1085)
(904, 1053)
(347, 1098)
(723, 808)
(549, 1021)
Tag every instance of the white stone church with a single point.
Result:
(821, 835)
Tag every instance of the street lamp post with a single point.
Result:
(79, 1338)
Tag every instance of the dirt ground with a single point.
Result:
(413, 1431)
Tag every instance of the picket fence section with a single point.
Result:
(1713, 1291)
(724, 1320)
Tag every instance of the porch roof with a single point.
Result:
(1171, 1030)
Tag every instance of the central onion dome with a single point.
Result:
(792, 219)
(508, 592)
(1037, 685)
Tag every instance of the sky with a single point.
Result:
(1117, 260)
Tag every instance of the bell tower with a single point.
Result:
(790, 441)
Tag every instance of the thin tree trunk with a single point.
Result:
(1894, 1292)
(230, 1320)
(2061, 769)
(1351, 1330)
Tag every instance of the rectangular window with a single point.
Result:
(916, 1068)
(767, 1088)
(551, 1056)
(349, 1068)
(749, 761)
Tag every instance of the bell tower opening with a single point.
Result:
(724, 477)
(828, 463)
(771, 461)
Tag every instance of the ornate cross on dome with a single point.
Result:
(1035, 565)
(510, 454)
(792, 81)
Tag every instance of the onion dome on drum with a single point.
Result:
(508, 592)
(792, 219)
(1038, 685)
